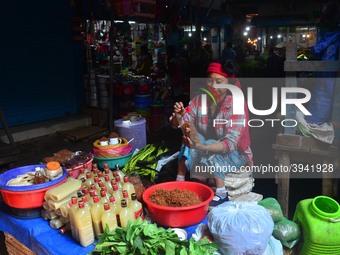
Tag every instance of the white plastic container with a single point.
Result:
(132, 129)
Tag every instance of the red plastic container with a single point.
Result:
(179, 216)
(74, 172)
(26, 199)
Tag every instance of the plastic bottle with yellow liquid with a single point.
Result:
(82, 173)
(86, 193)
(87, 205)
(89, 180)
(109, 217)
(117, 194)
(107, 171)
(125, 215)
(96, 213)
(84, 226)
(72, 214)
(103, 198)
(126, 197)
(128, 186)
(94, 171)
(136, 207)
(65, 208)
(116, 207)
(95, 188)
(96, 180)
(101, 176)
(119, 183)
(107, 183)
(120, 173)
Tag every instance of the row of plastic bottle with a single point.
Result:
(106, 183)
(105, 199)
(89, 221)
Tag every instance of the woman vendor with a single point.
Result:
(224, 146)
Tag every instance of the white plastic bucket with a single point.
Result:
(135, 130)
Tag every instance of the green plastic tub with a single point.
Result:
(112, 162)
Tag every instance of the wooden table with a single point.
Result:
(312, 153)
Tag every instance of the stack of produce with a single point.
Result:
(58, 198)
(144, 162)
(238, 183)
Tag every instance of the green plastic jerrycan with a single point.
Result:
(319, 220)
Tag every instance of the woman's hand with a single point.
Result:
(187, 142)
(176, 117)
(179, 109)
(190, 144)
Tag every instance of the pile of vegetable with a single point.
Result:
(141, 237)
(145, 161)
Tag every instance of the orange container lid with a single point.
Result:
(53, 165)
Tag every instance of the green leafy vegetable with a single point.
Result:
(143, 238)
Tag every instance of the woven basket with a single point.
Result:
(14, 247)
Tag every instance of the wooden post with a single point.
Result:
(290, 82)
(328, 179)
(283, 183)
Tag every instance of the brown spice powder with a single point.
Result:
(174, 198)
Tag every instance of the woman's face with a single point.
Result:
(214, 79)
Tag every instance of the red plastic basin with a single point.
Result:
(179, 216)
(26, 197)
(75, 171)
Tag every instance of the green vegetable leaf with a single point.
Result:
(183, 251)
(143, 238)
(169, 247)
(132, 227)
(139, 246)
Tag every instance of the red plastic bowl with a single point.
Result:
(75, 171)
(179, 216)
(26, 197)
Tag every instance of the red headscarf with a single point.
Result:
(215, 67)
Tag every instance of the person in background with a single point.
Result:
(209, 51)
(274, 66)
(176, 70)
(144, 65)
(222, 145)
(228, 53)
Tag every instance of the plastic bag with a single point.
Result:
(273, 207)
(274, 247)
(287, 231)
(240, 228)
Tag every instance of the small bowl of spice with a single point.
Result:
(178, 204)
